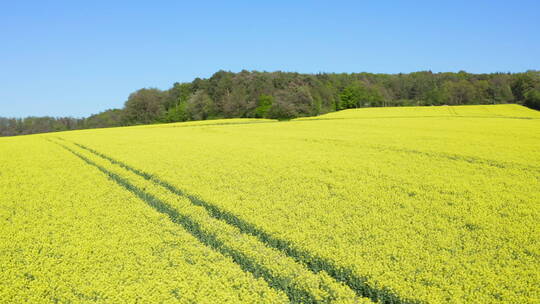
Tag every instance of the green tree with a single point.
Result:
(177, 113)
(532, 99)
(108, 118)
(283, 106)
(522, 83)
(499, 90)
(436, 97)
(360, 95)
(459, 92)
(179, 93)
(235, 103)
(263, 105)
(200, 106)
(144, 106)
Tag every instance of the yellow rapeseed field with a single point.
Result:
(379, 205)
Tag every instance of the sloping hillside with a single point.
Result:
(388, 205)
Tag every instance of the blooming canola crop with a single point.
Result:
(389, 205)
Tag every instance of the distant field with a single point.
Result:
(378, 205)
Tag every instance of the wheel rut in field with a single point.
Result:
(294, 294)
(313, 263)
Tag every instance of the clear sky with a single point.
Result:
(81, 57)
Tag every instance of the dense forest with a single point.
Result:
(285, 95)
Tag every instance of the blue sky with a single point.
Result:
(76, 58)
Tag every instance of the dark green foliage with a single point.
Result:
(522, 84)
(263, 105)
(178, 94)
(145, 106)
(460, 92)
(282, 95)
(30, 125)
(532, 99)
(176, 113)
(109, 118)
(359, 95)
(200, 106)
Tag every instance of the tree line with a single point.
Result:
(286, 95)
